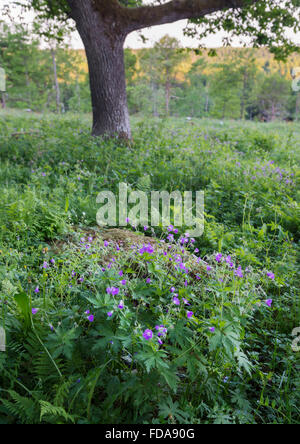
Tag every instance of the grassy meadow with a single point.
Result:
(139, 325)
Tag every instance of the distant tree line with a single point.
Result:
(235, 88)
(161, 81)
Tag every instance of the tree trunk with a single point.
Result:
(273, 115)
(104, 41)
(56, 84)
(78, 92)
(168, 96)
(103, 26)
(108, 89)
(3, 100)
(297, 111)
(243, 99)
(207, 102)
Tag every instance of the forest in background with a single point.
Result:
(166, 80)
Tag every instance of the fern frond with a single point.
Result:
(54, 413)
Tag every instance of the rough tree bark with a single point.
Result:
(103, 26)
(103, 38)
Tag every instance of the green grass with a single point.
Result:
(232, 362)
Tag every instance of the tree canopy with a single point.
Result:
(104, 25)
(263, 22)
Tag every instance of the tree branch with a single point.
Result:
(123, 20)
(145, 16)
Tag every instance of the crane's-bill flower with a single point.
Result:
(148, 334)
(176, 301)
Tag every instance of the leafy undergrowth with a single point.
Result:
(117, 326)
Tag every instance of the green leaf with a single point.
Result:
(23, 303)
(171, 379)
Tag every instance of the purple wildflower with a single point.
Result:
(271, 275)
(229, 261)
(219, 257)
(148, 334)
(239, 272)
(176, 300)
(162, 331)
(185, 301)
(112, 290)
